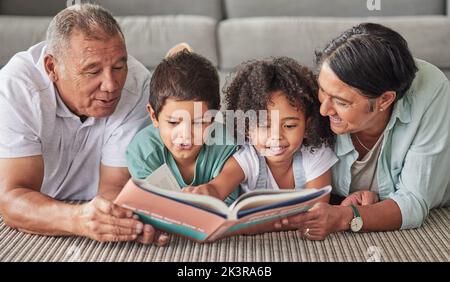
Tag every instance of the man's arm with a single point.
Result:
(23, 207)
(112, 180)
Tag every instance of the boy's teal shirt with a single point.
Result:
(414, 163)
(147, 152)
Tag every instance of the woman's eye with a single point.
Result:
(118, 68)
(340, 104)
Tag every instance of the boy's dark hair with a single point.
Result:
(185, 76)
(255, 81)
(371, 58)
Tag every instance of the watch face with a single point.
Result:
(356, 224)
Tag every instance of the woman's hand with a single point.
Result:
(361, 198)
(320, 221)
(204, 189)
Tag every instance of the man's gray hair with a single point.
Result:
(91, 20)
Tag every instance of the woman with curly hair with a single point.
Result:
(288, 141)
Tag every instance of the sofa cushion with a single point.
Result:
(210, 8)
(149, 38)
(32, 8)
(334, 8)
(19, 33)
(243, 39)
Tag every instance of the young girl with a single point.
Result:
(288, 145)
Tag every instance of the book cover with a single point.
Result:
(159, 201)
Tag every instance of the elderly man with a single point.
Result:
(68, 109)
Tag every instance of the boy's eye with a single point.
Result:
(173, 122)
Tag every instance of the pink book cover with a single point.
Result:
(196, 223)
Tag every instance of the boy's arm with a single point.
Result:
(223, 184)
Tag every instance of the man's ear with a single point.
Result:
(50, 66)
(152, 115)
(386, 100)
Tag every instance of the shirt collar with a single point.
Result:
(61, 109)
(401, 110)
(344, 144)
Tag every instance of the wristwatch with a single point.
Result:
(357, 223)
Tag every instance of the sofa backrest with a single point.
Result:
(332, 8)
(254, 38)
(210, 8)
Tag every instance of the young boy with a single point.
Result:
(184, 96)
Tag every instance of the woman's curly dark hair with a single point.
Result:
(254, 82)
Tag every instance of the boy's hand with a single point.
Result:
(361, 198)
(205, 189)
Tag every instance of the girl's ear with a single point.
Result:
(152, 115)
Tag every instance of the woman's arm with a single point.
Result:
(323, 219)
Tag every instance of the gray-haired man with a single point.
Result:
(68, 109)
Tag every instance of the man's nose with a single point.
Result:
(109, 83)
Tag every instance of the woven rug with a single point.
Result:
(431, 242)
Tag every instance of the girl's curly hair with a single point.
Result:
(254, 82)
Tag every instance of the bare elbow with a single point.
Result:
(6, 211)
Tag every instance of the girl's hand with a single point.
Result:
(204, 189)
(361, 198)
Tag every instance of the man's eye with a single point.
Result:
(118, 68)
(94, 72)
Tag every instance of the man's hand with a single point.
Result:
(361, 198)
(103, 221)
(204, 189)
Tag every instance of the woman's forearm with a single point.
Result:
(382, 216)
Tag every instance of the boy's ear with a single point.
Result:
(152, 115)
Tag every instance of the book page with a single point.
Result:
(162, 178)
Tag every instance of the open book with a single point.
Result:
(158, 201)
